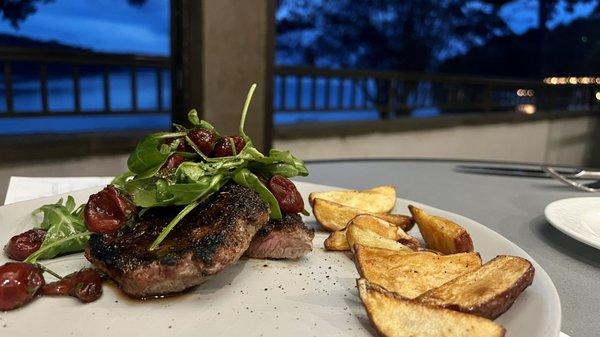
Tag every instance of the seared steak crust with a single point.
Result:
(210, 238)
(288, 238)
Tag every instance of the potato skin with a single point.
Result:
(441, 234)
(380, 199)
(518, 270)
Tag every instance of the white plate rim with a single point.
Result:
(556, 223)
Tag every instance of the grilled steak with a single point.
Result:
(288, 238)
(209, 239)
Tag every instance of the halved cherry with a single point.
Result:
(107, 210)
(224, 147)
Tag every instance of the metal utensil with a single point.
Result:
(589, 187)
(531, 172)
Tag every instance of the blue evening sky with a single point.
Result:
(116, 26)
(102, 25)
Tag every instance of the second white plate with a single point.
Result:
(579, 218)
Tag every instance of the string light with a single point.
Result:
(525, 92)
(571, 80)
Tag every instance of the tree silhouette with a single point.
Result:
(402, 35)
(17, 11)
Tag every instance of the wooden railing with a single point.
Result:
(392, 94)
(33, 65)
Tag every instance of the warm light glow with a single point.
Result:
(598, 95)
(530, 92)
(528, 109)
(521, 92)
(586, 80)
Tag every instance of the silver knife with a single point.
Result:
(531, 172)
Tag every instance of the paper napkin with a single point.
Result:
(27, 188)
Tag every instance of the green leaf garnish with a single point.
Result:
(65, 230)
(194, 180)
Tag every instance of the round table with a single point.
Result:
(512, 206)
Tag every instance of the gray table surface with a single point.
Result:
(513, 207)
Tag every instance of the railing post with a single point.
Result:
(313, 92)
(76, 89)
(341, 93)
(159, 93)
(391, 98)
(134, 103)
(298, 92)
(9, 87)
(487, 99)
(327, 89)
(106, 88)
(44, 87)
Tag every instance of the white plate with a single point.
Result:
(579, 218)
(315, 296)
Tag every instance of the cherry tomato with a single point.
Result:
(223, 147)
(85, 285)
(286, 193)
(19, 283)
(173, 162)
(204, 140)
(20, 246)
(183, 145)
(107, 210)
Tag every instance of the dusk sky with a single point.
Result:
(116, 26)
(102, 25)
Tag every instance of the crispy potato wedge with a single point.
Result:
(405, 222)
(380, 199)
(386, 229)
(358, 235)
(394, 316)
(333, 216)
(337, 240)
(441, 234)
(410, 275)
(488, 291)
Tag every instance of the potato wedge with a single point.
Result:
(333, 216)
(393, 316)
(411, 275)
(441, 234)
(488, 291)
(381, 199)
(358, 235)
(337, 240)
(386, 229)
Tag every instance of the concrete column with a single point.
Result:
(221, 47)
(238, 50)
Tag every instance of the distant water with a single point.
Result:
(340, 99)
(27, 98)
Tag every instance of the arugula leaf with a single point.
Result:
(245, 112)
(120, 180)
(65, 230)
(196, 121)
(246, 178)
(151, 153)
(215, 184)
